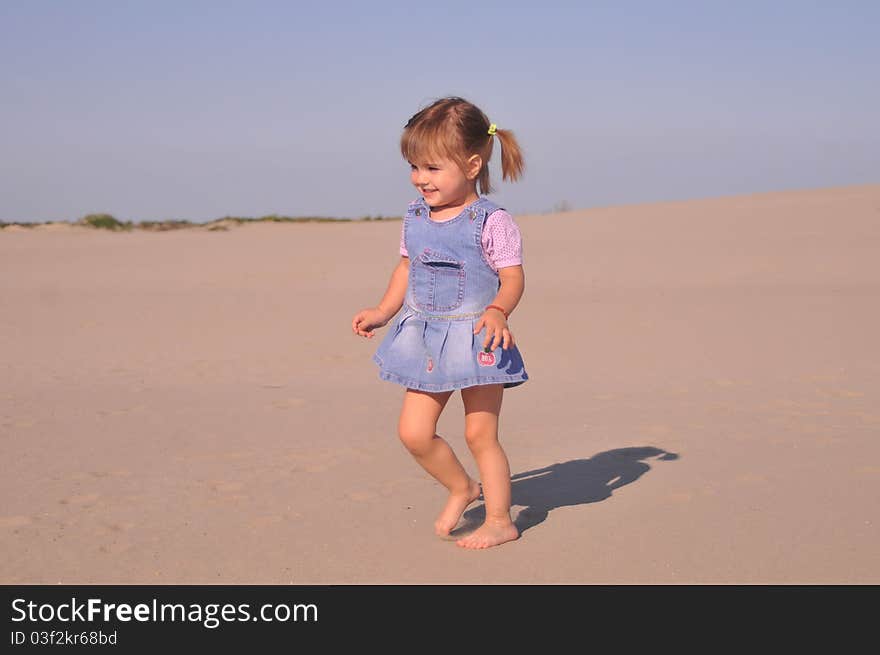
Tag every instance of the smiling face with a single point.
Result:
(445, 187)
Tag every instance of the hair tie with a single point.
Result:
(492, 129)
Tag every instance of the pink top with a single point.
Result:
(502, 242)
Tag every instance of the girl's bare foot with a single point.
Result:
(491, 533)
(455, 506)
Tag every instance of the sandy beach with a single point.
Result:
(191, 406)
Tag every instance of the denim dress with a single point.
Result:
(432, 345)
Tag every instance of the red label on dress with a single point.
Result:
(430, 364)
(486, 359)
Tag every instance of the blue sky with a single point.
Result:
(195, 110)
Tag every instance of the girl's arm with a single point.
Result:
(366, 320)
(392, 301)
(513, 283)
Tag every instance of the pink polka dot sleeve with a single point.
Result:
(501, 239)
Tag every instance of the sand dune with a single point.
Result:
(703, 403)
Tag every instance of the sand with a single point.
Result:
(191, 407)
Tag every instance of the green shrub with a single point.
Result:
(104, 221)
(162, 226)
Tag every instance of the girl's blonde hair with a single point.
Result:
(453, 128)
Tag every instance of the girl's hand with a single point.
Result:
(496, 329)
(367, 320)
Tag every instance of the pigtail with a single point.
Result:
(512, 163)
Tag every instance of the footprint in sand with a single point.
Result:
(114, 537)
(657, 430)
(680, 497)
(265, 521)
(115, 547)
(271, 520)
(227, 491)
(83, 500)
(309, 462)
(386, 490)
(361, 496)
(223, 486)
(15, 521)
(828, 440)
(336, 358)
(751, 478)
(228, 456)
(91, 475)
(289, 403)
(819, 378)
(122, 410)
(865, 417)
(841, 393)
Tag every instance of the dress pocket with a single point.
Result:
(437, 281)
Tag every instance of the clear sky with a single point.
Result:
(196, 110)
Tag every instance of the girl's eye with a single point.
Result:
(433, 168)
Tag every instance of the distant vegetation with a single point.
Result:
(104, 221)
(109, 222)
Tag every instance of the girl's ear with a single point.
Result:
(474, 164)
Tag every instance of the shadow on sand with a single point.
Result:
(576, 482)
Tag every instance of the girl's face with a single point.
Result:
(444, 186)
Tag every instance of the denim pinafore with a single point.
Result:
(432, 345)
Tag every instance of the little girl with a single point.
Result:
(459, 278)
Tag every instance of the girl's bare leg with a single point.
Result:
(482, 405)
(417, 430)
